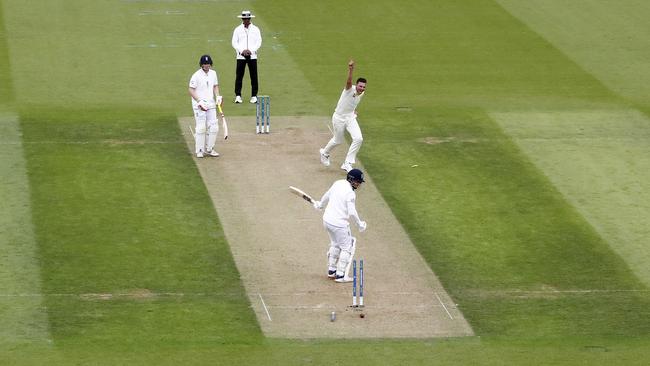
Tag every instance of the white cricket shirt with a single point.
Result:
(246, 39)
(204, 85)
(348, 103)
(340, 199)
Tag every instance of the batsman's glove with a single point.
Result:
(204, 105)
(362, 226)
(317, 205)
(219, 99)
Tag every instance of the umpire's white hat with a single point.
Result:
(246, 14)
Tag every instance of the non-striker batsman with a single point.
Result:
(204, 90)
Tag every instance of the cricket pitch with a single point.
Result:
(279, 243)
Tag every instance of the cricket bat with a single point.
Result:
(302, 194)
(224, 124)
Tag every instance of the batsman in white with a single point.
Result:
(340, 207)
(345, 118)
(204, 88)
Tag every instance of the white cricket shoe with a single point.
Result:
(213, 153)
(238, 99)
(343, 279)
(324, 158)
(253, 100)
(331, 274)
(346, 166)
(199, 154)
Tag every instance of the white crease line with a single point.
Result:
(297, 293)
(443, 305)
(265, 308)
(369, 307)
(559, 291)
(120, 294)
(327, 293)
(107, 142)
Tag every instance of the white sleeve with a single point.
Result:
(257, 41)
(235, 41)
(352, 210)
(326, 197)
(215, 77)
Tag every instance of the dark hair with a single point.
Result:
(363, 80)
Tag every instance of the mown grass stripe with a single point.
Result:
(128, 222)
(600, 161)
(22, 318)
(6, 85)
(608, 38)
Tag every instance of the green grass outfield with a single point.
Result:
(125, 262)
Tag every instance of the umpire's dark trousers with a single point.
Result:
(252, 69)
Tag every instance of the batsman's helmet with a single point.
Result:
(355, 175)
(205, 59)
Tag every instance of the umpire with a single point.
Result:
(246, 40)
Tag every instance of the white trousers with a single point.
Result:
(206, 122)
(342, 248)
(340, 125)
